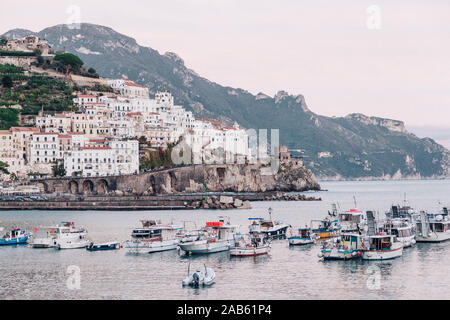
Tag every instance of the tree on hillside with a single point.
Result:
(70, 62)
(58, 169)
(3, 166)
(7, 81)
(92, 70)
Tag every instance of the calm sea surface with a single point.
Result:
(287, 273)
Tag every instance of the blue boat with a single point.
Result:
(14, 237)
(103, 246)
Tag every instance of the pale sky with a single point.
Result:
(321, 49)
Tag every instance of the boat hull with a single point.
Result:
(382, 254)
(71, 245)
(325, 234)
(434, 237)
(13, 241)
(274, 233)
(300, 241)
(150, 246)
(339, 254)
(249, 251)
(203, 246)
(104, 247)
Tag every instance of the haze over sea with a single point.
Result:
(287, 273)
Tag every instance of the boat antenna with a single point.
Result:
(354, 200)
(270, 212)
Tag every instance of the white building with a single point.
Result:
(112, 158)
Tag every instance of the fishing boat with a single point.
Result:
(61, 235)
(257, 245)
(326, 228)
(15, 236)
(217, 236)
(403, 229)
(433, 227)
(345, 247)
(103, 246)
(304, 236)
(381, 246)
(273, 229)
(351, 220)
(404, 211)
(202, 277)
(154, 236)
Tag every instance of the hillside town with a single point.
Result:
(108, 132)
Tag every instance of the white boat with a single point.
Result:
(403, 229)
(304, 236)
(202, 277)
(73, 243)
(217, 236)
(433, 227)
(273, 229)
(63, 235)
(381, 246)
(351, 220)
(257, 245)
(154, 236)
(347, 246)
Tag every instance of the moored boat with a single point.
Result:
(304, 236)
(381, 246)
(326, 228)
(61, 236)
(103, 246)
(154, 236)
(403, 229)
(217, 236)
(15, 236)
(433, 227)
(273, 229)
(202, 277)
(258, 245)
(346, 247)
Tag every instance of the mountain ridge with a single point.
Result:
(353, 146)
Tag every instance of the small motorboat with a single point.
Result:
(202, 277)
(153, 236)
(259, 244)
(103, 246)
(346, 247)
(303, 237)
(15, 236)
(273, 229)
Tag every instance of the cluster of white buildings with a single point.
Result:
(100, 138)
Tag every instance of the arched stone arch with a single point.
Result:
(43, 186)
(88, 187)
(102, 186)
(73, 187)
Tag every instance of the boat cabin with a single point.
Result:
(305, 233)
(351, 241)
(380, 242)
(351, 216)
